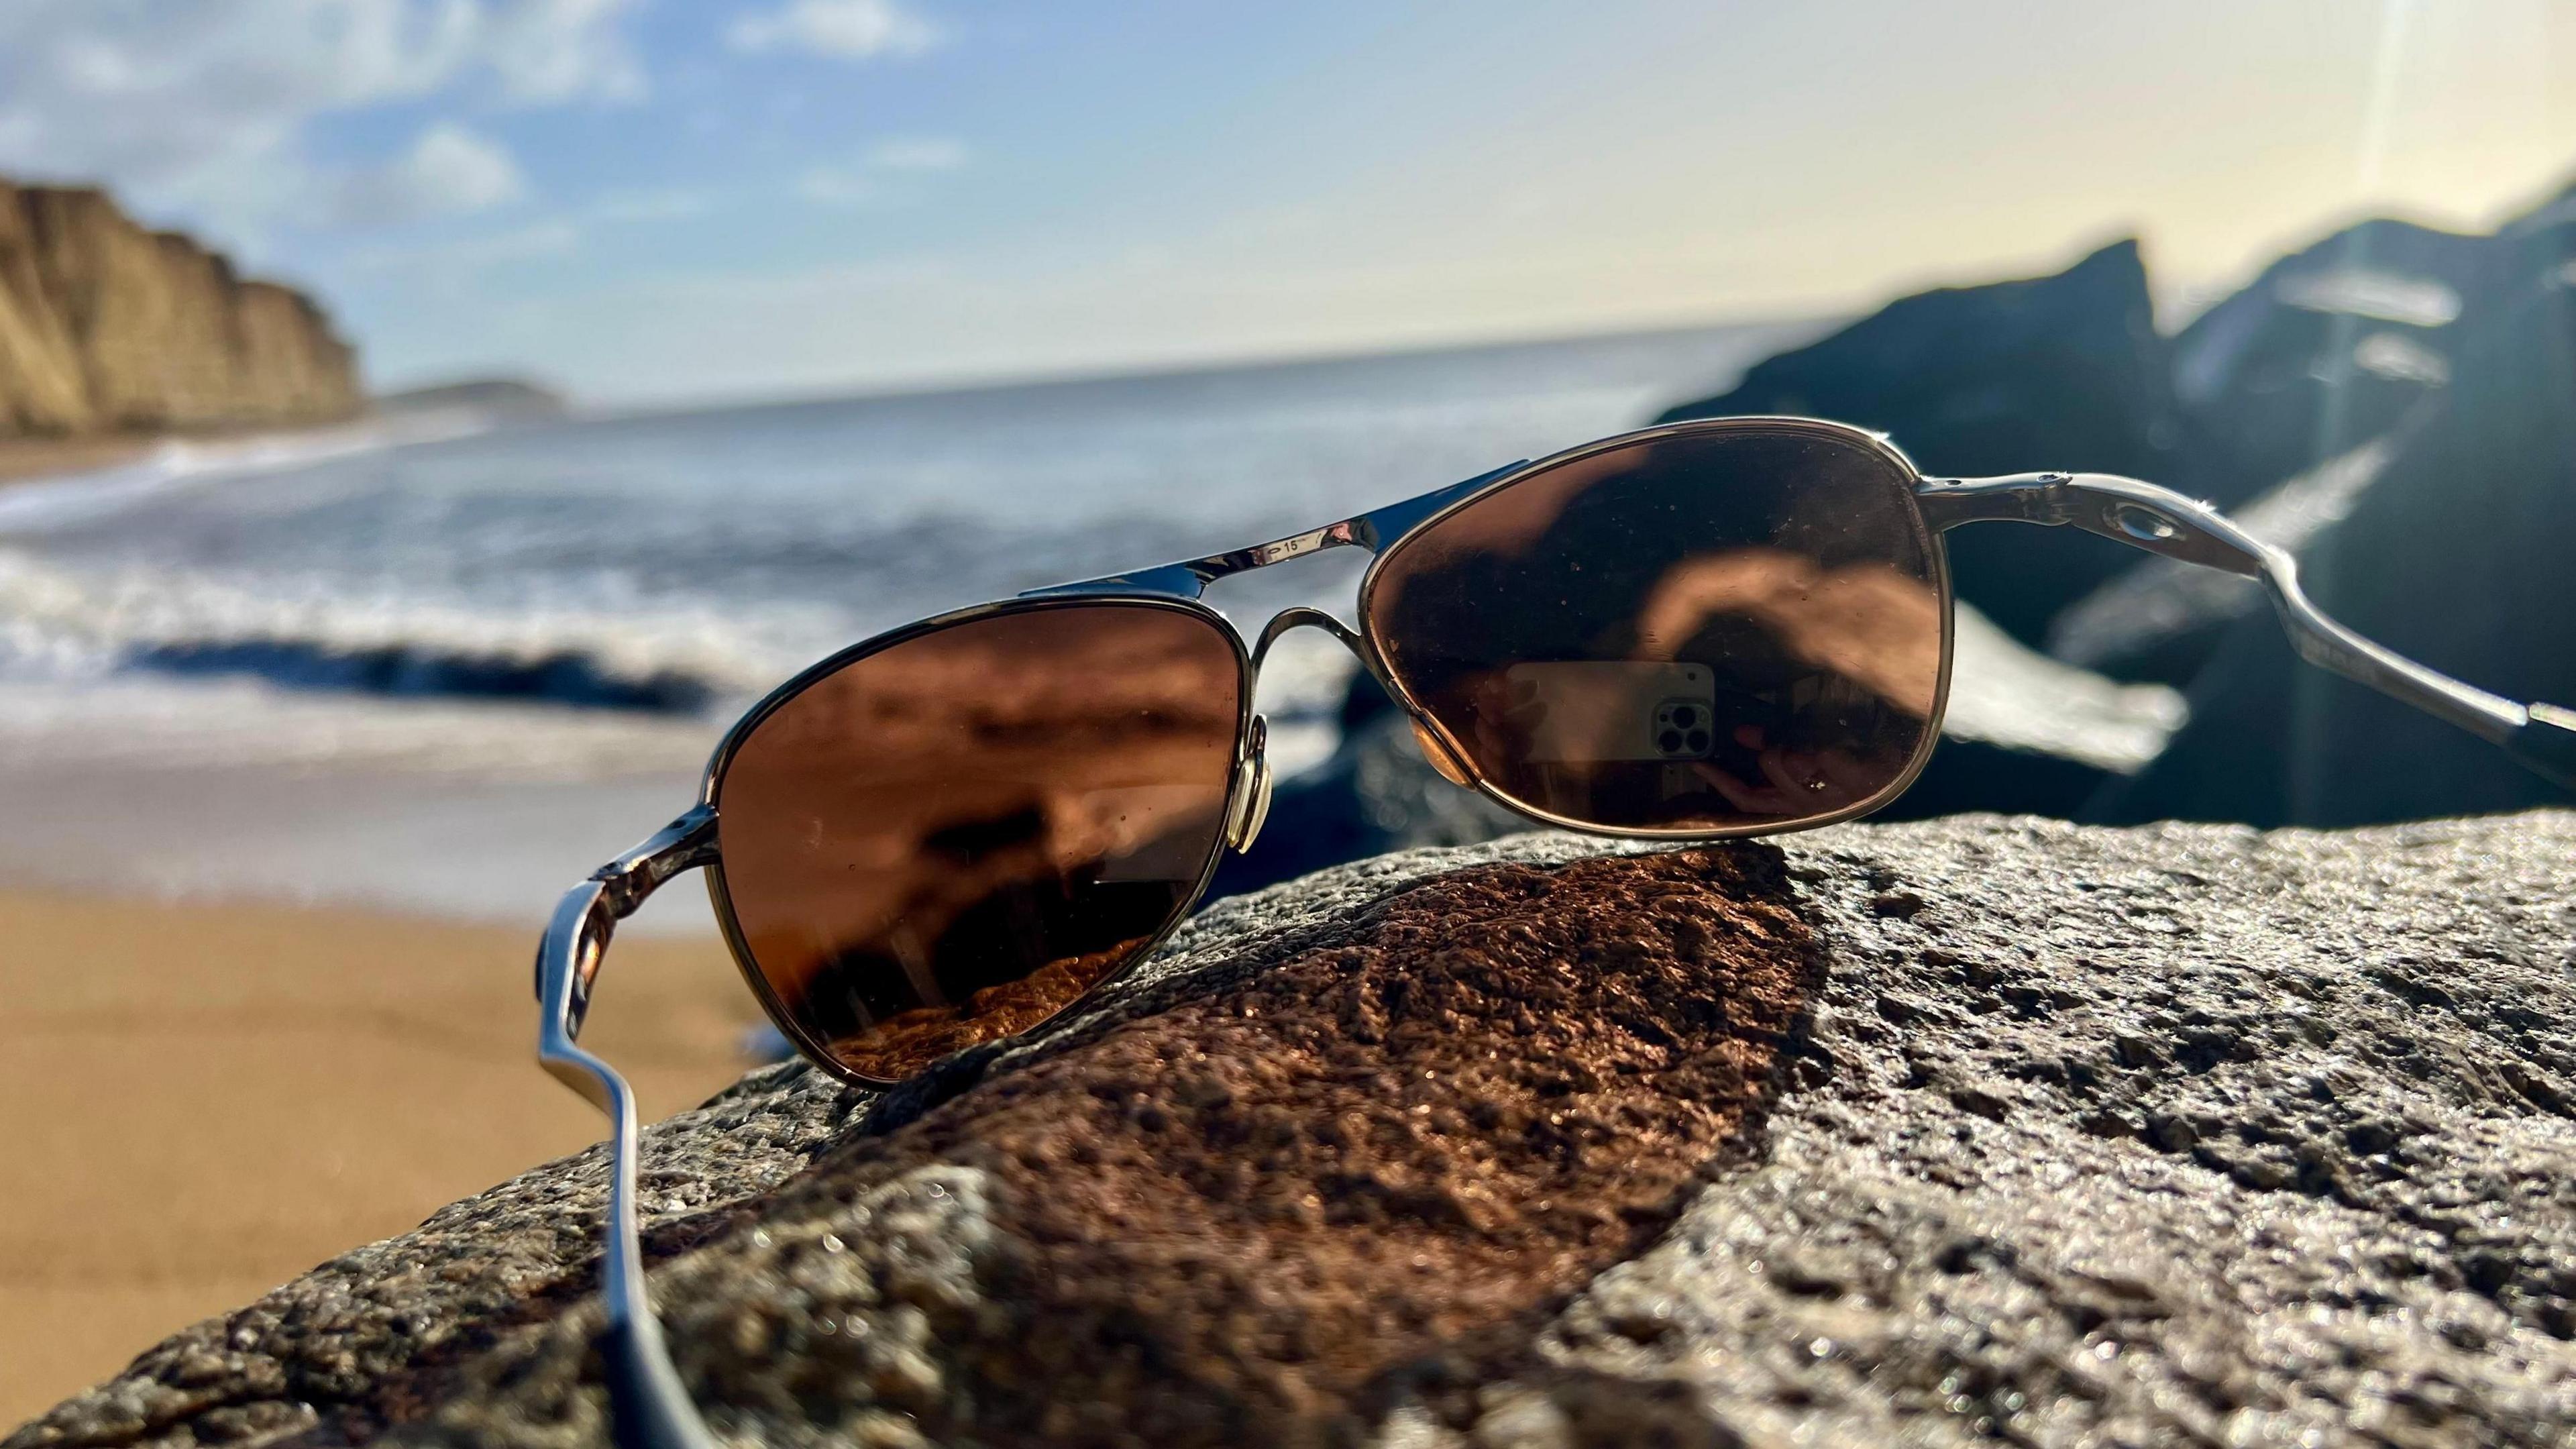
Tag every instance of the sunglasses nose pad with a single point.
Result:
(1250, 806)
(1436, 751)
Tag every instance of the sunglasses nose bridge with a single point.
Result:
(1303, 617)
(1436, 748)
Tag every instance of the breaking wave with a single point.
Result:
(60, 623)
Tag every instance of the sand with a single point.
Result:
(23, 458)
(199, 1101)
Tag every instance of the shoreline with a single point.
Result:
(52, 459)
(209, 1097)
(31, 460)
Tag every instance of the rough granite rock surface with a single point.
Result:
(1938, 1133)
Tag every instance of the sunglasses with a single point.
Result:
(952, 833)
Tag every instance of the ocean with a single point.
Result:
(440, 667)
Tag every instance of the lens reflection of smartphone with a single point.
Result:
(1594, 710)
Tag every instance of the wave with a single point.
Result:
(141, 721)
(60, 622)
(71, 498)
(561, 677)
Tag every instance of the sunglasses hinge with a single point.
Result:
(683, 845)
(2017, 498)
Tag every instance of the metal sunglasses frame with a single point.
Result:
(648, 1405)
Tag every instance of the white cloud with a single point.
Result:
(919, 153)
(201, 105)
(451, 260)
(449, 171)
(866, 183)
(842, 29)
(562, 50)
(839, 186)
(654, 204)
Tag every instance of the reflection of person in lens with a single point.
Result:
(1797, 782)
(1547, 629)
(1863, 624)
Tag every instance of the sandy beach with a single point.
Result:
(203, 1099)
(23, 459)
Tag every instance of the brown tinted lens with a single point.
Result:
(949, 840)
(1701, 632)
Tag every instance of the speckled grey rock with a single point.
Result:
(2177, 1134)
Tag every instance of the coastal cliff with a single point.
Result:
(106, 326)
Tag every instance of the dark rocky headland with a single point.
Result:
(2395, 404)
(1965, 1131)
(107, 327)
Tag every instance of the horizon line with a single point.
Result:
(973, 384)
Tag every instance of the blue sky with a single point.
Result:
(666, 200)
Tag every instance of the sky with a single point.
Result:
(664, 201)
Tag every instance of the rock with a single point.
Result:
(495, 399)
(2055, 372)
(1931, 1134)
(2453, 554)
(107, 327)
(2329, 348)
(2389, 403)
(2298, 392)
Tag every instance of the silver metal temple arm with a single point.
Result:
(2541, 737)
(647, 1407)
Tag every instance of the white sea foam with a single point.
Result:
(59, 622)
(2003, 692)
(88, 494)
(224, 724)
